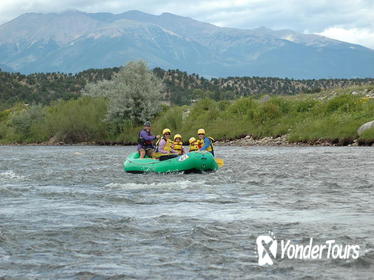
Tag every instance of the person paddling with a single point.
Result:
(145, 141)
(205, 143)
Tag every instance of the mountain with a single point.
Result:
(73, 41)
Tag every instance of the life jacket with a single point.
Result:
(142, 141)
(194, 146)
(178, 147)
(168, 145)
(200, 144)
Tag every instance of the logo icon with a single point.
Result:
(266, 249)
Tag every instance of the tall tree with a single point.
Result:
(134, 93)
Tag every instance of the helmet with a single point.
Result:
(147, 123)
(201, 131)
(177, 136)
(191, 140)
(166, 130)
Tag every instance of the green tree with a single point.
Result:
(134, 93)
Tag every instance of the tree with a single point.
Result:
(134, 93)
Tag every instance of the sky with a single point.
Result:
(346, 20)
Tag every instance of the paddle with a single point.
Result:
(220, 162)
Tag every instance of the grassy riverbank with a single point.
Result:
(307, 119)
(332, 116)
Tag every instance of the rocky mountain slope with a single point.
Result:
(74, 41)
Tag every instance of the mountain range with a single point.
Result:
(73, 41)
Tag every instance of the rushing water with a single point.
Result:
(73, 213)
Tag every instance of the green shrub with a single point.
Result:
(172, 119)
(78, 120)
(22, 121)
(304, 106)
(343, 103)
(333, 127)
(243, 108)
(4, 131)
(284, 105)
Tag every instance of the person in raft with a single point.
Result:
(165, 145)
(145, 141)
(178, 144)
(205, 143)
(193, 144)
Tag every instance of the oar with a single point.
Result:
(220, 162)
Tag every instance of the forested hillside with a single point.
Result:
(99, 110)
(42, 88)
(181, 87)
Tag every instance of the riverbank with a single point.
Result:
(283, 141)
(326, 119)
(247, 140)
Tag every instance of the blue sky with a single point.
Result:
(346, 20)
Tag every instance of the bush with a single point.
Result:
(78, 120)
(304, 106)
(302, 119)
(243, 108)
(343, 103)
(22, 121)
(172, 119)
(333, 127)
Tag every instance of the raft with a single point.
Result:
(191, 162)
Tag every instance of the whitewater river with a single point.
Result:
(71, 212)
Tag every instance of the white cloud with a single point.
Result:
(362, 36)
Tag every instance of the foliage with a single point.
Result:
(76, 121)
(116, 102)
(134, 94)
(181, 88)
(69, 121)
(23, 121)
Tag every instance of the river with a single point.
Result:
(71, 212)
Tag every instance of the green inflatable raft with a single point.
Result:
(191, 162)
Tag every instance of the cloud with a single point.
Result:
(363, 36)
(311, 16)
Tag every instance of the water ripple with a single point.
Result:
(72, 213)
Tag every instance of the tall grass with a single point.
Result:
(301, 118)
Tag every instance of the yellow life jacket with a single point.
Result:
(168, 145)
(178, 147)
(200, 144)
(194, 146)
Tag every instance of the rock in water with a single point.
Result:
(365, 127)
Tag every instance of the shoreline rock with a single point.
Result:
(365, 127)
(251, 141)
(283, 141)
